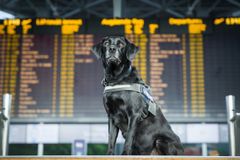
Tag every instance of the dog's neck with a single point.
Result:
(124, 75)
(114, 75)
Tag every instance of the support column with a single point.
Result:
(40, 149)
(230, 103)
(118, 8)
(5, 121)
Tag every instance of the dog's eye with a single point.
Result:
(121, 45)
(106, 43)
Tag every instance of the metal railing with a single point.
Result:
(4, 124)
(233, 119)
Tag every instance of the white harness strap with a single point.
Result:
(152, 107)
(123, 87)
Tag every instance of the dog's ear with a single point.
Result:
(97, 50)
(131, 50)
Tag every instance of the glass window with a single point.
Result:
(218, 149)
(97, 149)
(192, 149)
(22, 149)
(57, 149)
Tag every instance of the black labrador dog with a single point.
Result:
(146, 131)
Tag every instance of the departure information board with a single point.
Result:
(191, 64)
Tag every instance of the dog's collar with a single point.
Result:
(105, 82)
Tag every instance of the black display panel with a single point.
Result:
(190, 64)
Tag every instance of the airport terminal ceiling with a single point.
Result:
(128, 8)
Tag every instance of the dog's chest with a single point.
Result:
(116, 99)
(116, 103)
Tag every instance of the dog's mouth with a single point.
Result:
(113, 61)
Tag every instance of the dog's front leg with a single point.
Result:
(127, 150)
(112, 136)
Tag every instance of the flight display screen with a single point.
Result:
(191, 64)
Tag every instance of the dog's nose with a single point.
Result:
(113, 60)
(112, 49)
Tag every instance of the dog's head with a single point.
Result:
(115, 50)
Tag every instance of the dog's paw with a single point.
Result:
(110, 152)
(127, 152)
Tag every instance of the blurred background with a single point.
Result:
(189, 55)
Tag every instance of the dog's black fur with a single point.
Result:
(151, 135)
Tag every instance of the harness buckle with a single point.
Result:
(146, 93)
(152, 108)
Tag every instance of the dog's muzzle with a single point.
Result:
(113, 60)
